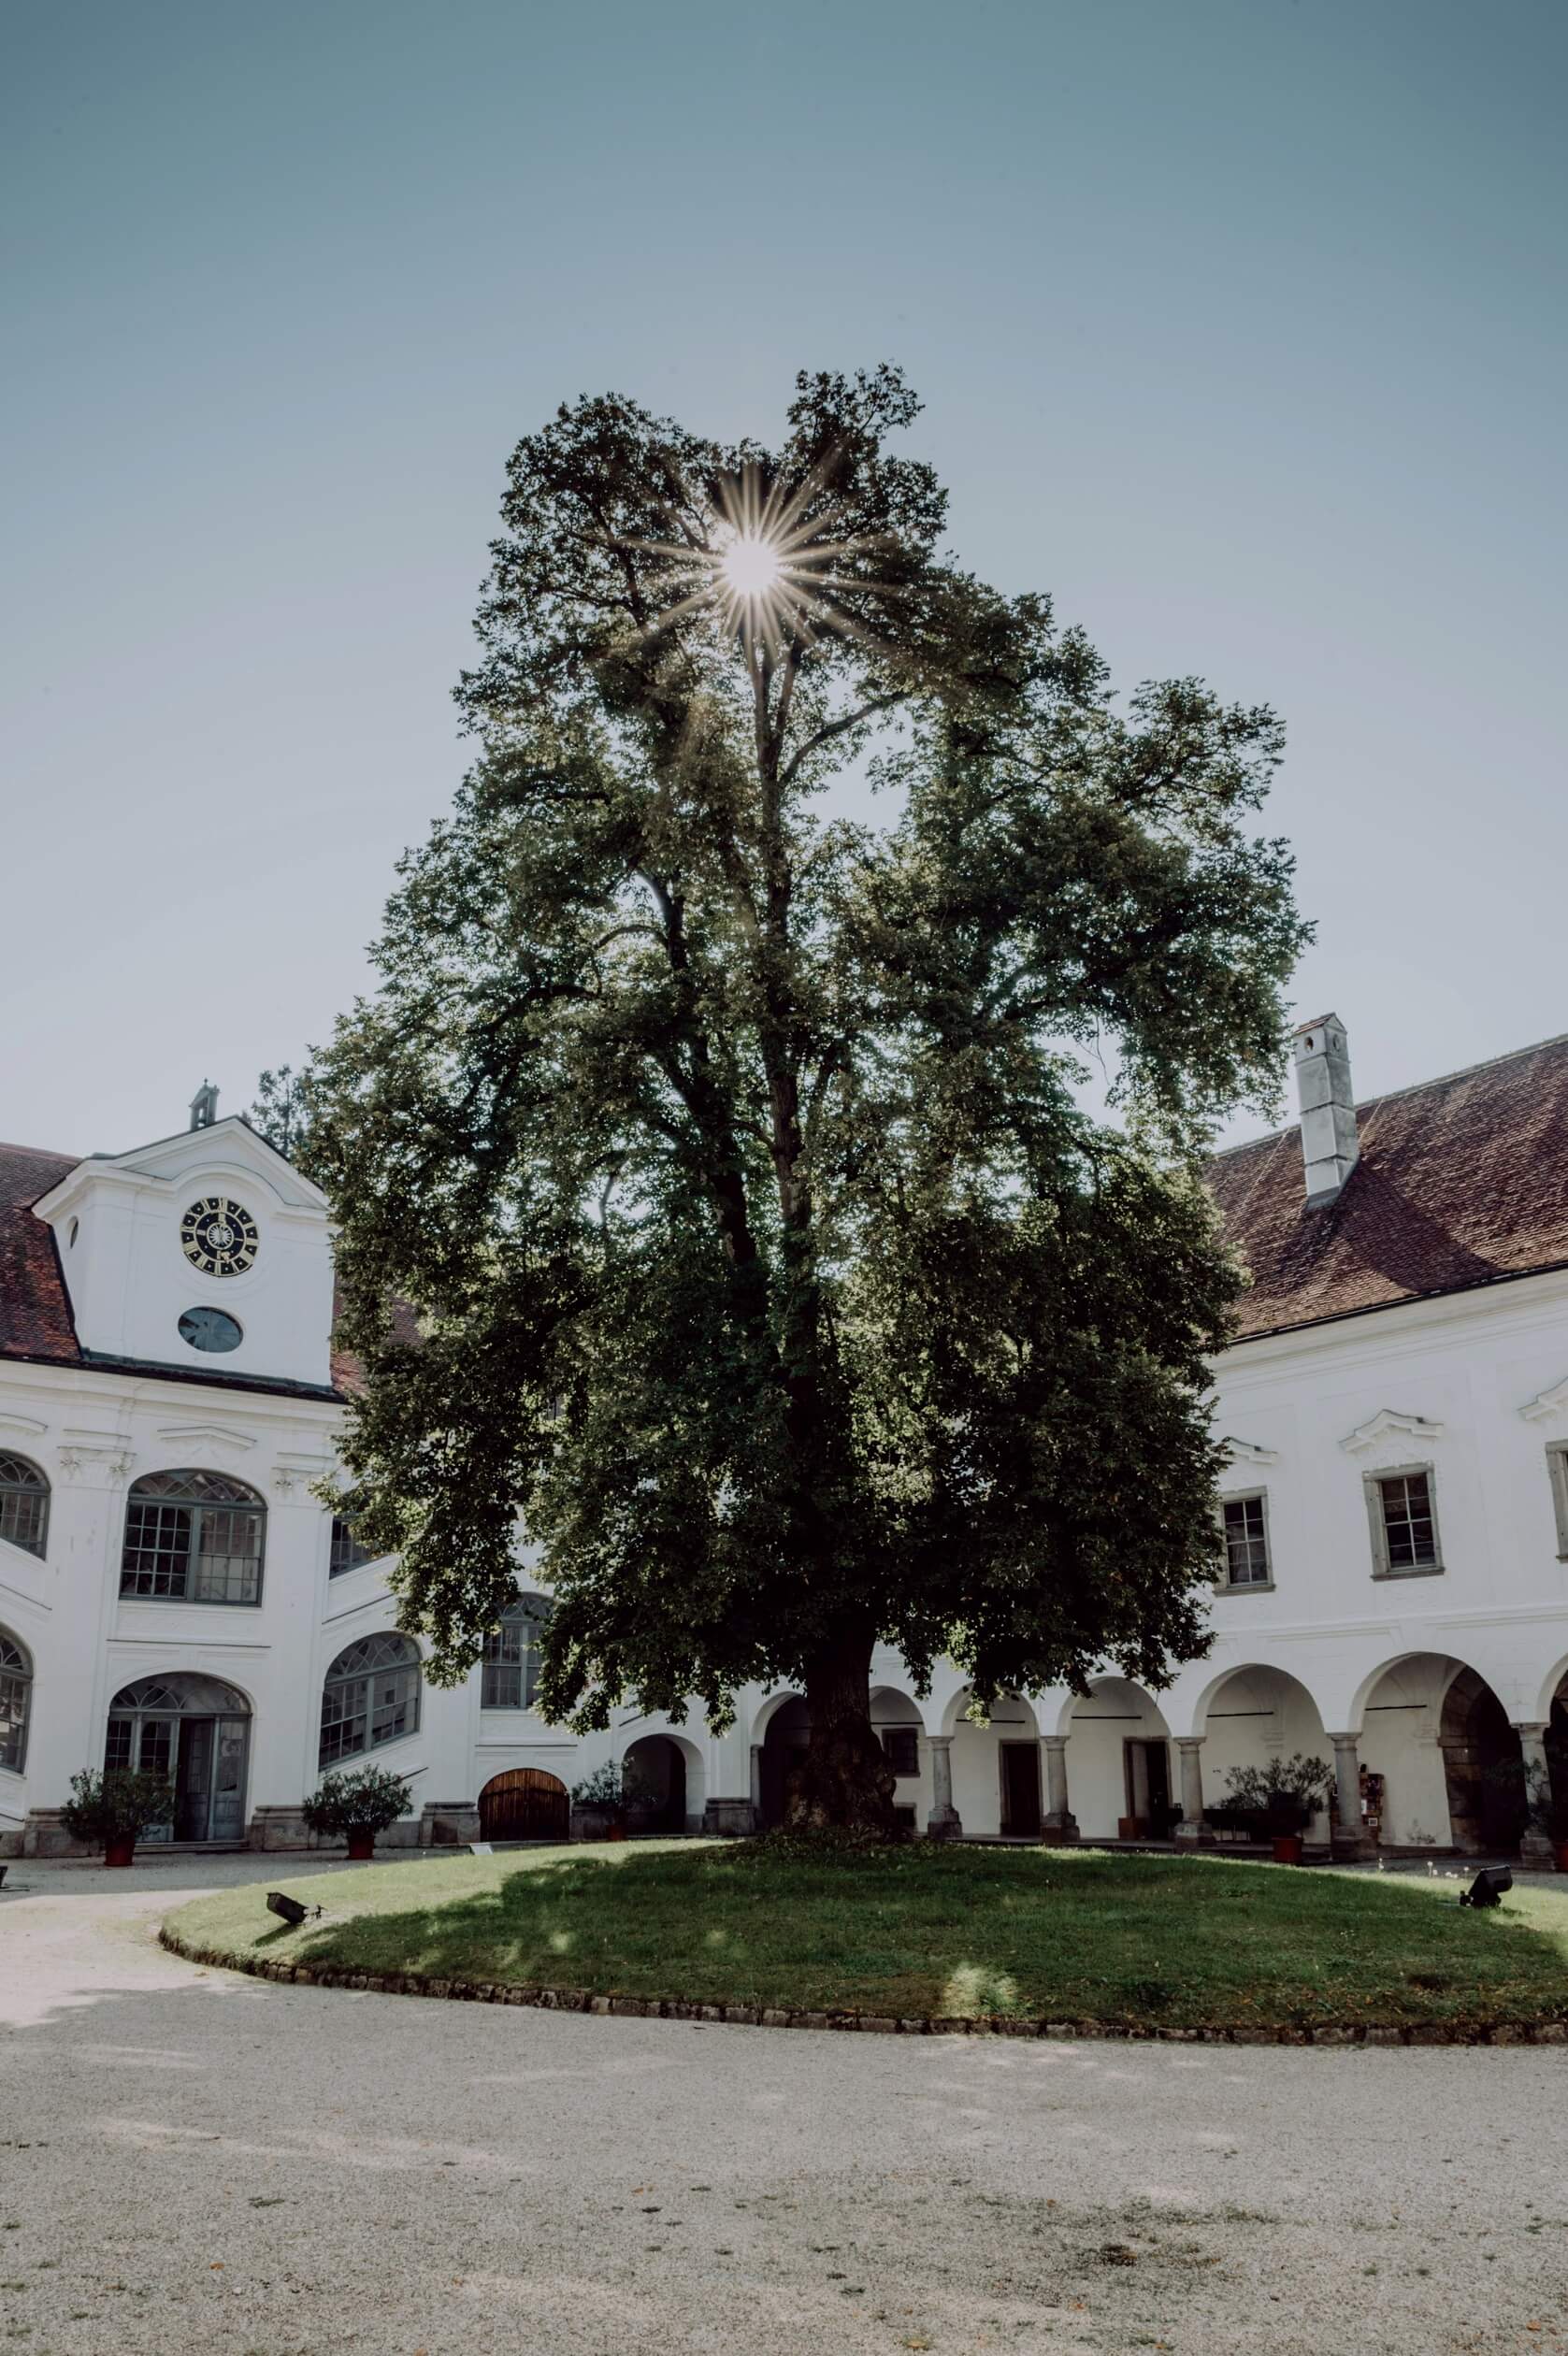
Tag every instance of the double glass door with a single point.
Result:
(203, 1756)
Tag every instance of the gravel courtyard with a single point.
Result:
(192, 2161)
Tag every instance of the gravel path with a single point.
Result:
(195, 2160)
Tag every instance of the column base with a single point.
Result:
(1059, 1830)
(944, 1824)
(1189, 1835)
(1539, 1852)
(448, 1823)
(1350, 1848)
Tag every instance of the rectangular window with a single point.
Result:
(347, 1552)
(1402, 1511)
(902, 1747)
(157, 1548)
(1246, 1542)
(117, 1751)
(343, 1710)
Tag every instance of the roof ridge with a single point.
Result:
(1411, 1087)
(40, 1153)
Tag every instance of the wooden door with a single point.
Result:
(523, 1804)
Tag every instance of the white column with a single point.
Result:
(1189, 1756)
(1060, 1823)
(1536, 1847)
(1348, 1838)
(943, 1823)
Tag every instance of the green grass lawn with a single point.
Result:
(1181, 1942)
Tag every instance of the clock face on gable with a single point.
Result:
(218, 1236)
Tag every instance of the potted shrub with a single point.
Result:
(1282, 1799)
(116, 1808)
(356, 1807)
(598, 1805)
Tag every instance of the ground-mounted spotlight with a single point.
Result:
(288, 1909)
(1487, 1887)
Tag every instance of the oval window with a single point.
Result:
(211, 1329)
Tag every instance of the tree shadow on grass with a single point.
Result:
(973, 1932)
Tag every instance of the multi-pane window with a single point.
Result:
(16, 1684)
(1409, 1525)
(370, 1697)
(194, 1538)
(347, 1552)
(1246, 1542)
(509, 1677)
(902, 1745)
(23, 1503)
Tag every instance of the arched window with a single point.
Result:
(16, 1688)
(347, 1552)
(23, 1503)
(509, 1677)
(194, 1538)
(370, 1697)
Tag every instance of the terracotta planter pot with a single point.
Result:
(1288, 1849)
(1559, 1851)
(120, 1852)
(1131, 1829)
(361, 1846)
(615, 1833)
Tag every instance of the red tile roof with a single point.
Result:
(1460, 1182)
(34, 1310)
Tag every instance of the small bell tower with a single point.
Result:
(203, 1106)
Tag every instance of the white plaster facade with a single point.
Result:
(1332, 1654)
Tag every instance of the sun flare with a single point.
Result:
(752, 565)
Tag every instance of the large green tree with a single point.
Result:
(770, 1278)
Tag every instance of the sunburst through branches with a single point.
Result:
(772, 567)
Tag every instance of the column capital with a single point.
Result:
(1188, 1742)
(1351, 1737)
(940, 1741)
(1536, 1727)
(1055, 1741)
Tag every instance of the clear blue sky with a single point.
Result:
(1240, 329)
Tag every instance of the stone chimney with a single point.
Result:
(203, 1106)
(1329, 1145)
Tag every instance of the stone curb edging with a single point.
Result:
(580, 1999)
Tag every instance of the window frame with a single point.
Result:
(37, 1492)
(903, 1734)
(1557, 1473)
(494, 1663)
(142, 1497)
(358, 1555)
(1382, 1567)
(1225, 1584)
(339, 1680)
(16, 1700)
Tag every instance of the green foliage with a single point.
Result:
(1301, 1780)
(366, 1800)
(768, 1273)
(116, 1804)
(280, 1112)
(601, 1790)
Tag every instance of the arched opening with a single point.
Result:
(195, 1731)
(662, 1782)
(995, 1769)
(1119, 1764)
(1255, 1716)
(23, 1503)
(525, 1804)
(897, 1724)
(785, 1743)
(1483, 1768)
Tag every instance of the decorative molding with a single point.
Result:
(109, 1451)
(1540, 1408)
(27, 1425)
(295, 1470)
(218, 1436)
(1249, 1452)
(1388, 1424)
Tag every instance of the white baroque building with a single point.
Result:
(1392, 1565)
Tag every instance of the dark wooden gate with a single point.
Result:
(523, 1804)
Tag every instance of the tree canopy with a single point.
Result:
(773, 1281)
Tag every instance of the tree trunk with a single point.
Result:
(844, 1781)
